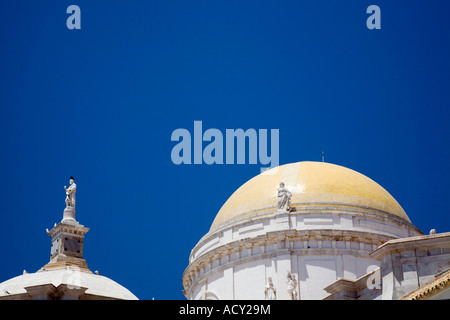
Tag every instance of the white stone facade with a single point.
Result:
(317, 243)
(410, 263)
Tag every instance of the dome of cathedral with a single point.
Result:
(297, 228)
(94, 286)
(311, 183)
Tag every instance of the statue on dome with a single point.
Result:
(284, 198)
(70, 193)
(270, 291)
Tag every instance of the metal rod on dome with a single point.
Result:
(323, 156)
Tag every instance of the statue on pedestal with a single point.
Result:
(270, 291)
(284, 199)
(70, 193)
(292, 285)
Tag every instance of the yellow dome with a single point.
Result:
(309, 183)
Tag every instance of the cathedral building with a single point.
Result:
(314, 230)
(66, 276)
(301, 231)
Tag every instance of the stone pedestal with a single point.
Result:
(67, 241)
(69, 215)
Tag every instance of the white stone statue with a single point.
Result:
(270, 291)
(284, 198)
(292, 286)
(70, 192)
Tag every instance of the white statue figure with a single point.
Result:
(70, 192)
(284, 198)
(270, 291)
(292, 286)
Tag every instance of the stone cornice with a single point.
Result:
(431, 287)
(282, 243)
(305, 210)
(410, 243)
(313, 207)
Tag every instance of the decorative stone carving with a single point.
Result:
(284, 199)
(269, 291)
(70, 193)
(292, 285)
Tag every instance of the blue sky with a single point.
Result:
(101, 104)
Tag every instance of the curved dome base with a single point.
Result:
(66, 282)
(316, 246)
